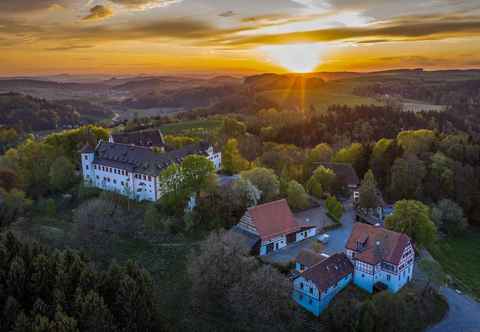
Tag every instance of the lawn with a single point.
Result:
(461, 259)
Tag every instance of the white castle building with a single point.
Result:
(133, 170)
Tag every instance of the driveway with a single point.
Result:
(463, 314)
(317, 217)
(339, 236)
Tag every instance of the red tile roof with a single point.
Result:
(377, 244)
(273, 219)
(328, 272)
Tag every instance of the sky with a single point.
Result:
(235, 36)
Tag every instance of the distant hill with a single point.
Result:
(278, 82)
(29, 113)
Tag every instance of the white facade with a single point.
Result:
(392, 276)
(141, 187)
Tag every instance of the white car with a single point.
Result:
(323, 238)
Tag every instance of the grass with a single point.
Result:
(191, 126)
(321, 99)
(460, 258)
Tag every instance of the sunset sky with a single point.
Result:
(235, 36)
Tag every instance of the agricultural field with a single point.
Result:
(333, 93)
(191, 127)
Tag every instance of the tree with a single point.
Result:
(321, 152)
(321, 181)
(245, 190)
(448, 216)
(247, 301)
(441, 175)
(407, 177)
(8, 179)
(232, 160)
(233, 128)
(265, 180)
(368, 192)
(351, 154)
(67, 293)
(412, 218)
(384, 153)
(32, 161)
(416, 141)
(221, 262)
(62, 174)
(14, 204)
(296, 196)
(334, 208)
(197, 172)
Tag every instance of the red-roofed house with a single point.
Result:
(380, 257)
(274, 225)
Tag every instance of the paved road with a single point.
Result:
(463, 314)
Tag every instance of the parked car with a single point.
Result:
(323, 238)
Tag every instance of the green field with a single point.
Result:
(333, 93)
(461, 259)
(191, 126)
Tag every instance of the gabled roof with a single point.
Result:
(273, 219)
(141, 159)
(377, 244)
(328, 272)
(308, 257)
(87, 148)
(147, 138)
(345, 173)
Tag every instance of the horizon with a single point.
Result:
(127, 37)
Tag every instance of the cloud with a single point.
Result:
(402, 29)
(25, 6)
(145, 4)
(98, 12)
(68, 47)
(228, 13)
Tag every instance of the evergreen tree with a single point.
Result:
(368, 192)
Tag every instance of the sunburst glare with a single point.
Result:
(298, 58)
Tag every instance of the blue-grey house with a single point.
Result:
(382, 259)
(314, 288)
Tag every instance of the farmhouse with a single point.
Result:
(272, 226)
(134, 171)
(382, 259)
(375, 259)
(317, 286)
(147, 138)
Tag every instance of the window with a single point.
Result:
(94, 166)
(122, 183)
(388, 277)
(98, 178)
(114, 181)
(301, 285)
(86, 158)
(86, 167)
(311, 290)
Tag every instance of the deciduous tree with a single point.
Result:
(412, 218)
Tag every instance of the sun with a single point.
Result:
(298, 58)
